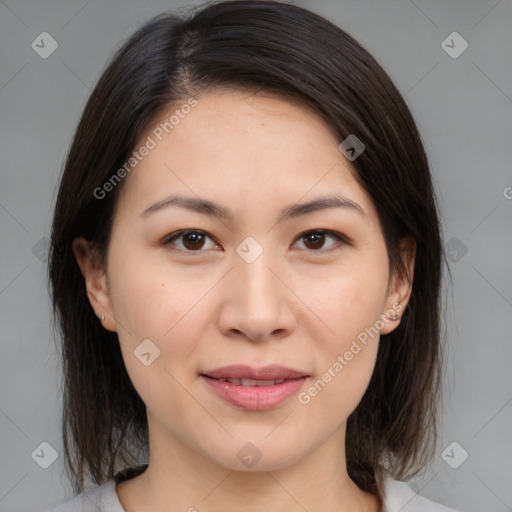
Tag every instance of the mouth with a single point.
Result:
(255, 388)
(243, 375)
(250, 382)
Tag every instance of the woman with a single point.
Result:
(246, 265)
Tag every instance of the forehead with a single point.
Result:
(239, 147)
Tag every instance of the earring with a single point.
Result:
(102, 317)
(395, 317)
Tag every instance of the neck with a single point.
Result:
(178, 478)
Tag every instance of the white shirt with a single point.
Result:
(399, 497)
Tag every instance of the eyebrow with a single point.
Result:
(207, 207)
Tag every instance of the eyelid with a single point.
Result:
(166, 242)
(344, 240)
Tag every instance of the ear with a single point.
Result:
(400, 286)
(95, 281)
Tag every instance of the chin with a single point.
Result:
(251, 457)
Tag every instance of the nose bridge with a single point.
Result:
(257, 302)
(257, 284)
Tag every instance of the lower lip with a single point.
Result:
(255, 398)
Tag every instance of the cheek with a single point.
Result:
(350, 306)
(151, 303)
(155, 306)
(149, 297)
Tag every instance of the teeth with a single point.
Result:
(266, 382)
(249, 382)
(252, 382)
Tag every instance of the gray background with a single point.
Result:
(463, 107)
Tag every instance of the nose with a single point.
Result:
(257, 303)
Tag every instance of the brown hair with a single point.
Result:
(284, 49)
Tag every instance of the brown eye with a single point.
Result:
(315, 240)
(192, 240)
(197, 240)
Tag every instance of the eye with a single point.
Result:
(315, 239)
(193, 240)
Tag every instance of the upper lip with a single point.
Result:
(271, 372)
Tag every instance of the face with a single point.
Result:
(254, 281)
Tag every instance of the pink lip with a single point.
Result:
(255, 398)
(271, 372)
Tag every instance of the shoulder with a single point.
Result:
(398, 496)
(101, 498)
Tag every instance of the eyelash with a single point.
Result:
(167, 242)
